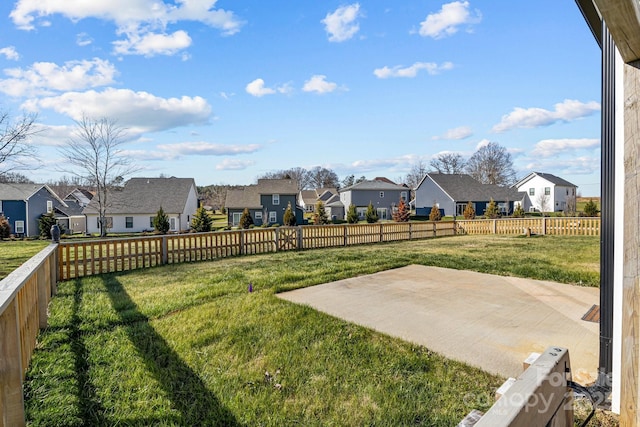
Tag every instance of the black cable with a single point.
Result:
(586, 392)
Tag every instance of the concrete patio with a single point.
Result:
(492, 322)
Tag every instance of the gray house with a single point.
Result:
(383, 194)
(267, 202)
(451, 193)
(24, 204)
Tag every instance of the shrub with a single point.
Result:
(245, 220)
(320, 216)
(352, 214)
(435, 214)
(289, 216)
(402, 213)
(161, 222)
(590, 208)
(518, 212)
(469, 211)
(371, 216)
(201, 221)
(492, 211)
(44, 224)
(5, 228)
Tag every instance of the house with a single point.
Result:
(451, 193)
(383, 194)
(70, 217)
(133, 207)
(81, 196)
(546, 192)
(24, 204)
(307, 199)
(267, 202)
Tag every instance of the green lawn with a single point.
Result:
(14, 252)
(188, 345)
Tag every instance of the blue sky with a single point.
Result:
(224, 91)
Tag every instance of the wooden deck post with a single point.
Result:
(630, 368)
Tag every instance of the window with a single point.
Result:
(19, 225)
(547, 191)
(173, 224)
(49, 206)
(573, 191)
(108, 221)
(382, 213)
(259, 215)
(504, 208)
(275, 199)
(128, 222)
(532, 191)
(151, 218)
(382, 194)
(236, 218)
(273, 217)
(403, 196)
(362, 213)
(567, 191)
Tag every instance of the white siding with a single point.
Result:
(557, 200)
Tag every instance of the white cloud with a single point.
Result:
(234, 164)
(48, 77)
(137, 111)
(83, 39)
(565, 111)
(341, 24)
(482, 143)
(397, 71)
(581, 165)
(151, 44)
(319, 84)
(400, 163)
(10, 53)
(208, 149)
(461, 132)
(54, 136)
(257, 88)
(553, 147)
(126, 14)
(446, 22)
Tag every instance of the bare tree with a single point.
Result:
(320, 177)
(94, 150)
(14, 178)
(448, 163)
(492, 164)
(15, 146)
(214, 195)
(543, 202)
(416, 173)
(301, 175)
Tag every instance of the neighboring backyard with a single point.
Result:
(189, 345)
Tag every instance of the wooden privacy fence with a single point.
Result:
(24, 297)
(86, 258)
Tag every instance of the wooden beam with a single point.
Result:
(623, 20)
(630, 366)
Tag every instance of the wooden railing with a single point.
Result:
(86, 258)
(24, 296)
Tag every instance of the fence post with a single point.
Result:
(300, 241)
(495, 226)
(544, 226)
(276, 238)
(346, 234)
(435, 229)
(165, 250)
(381, 233)
(410, 231)
(54, 270)
(242, 242)
(11, 399)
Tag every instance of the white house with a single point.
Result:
(547, 193)
(132, 208)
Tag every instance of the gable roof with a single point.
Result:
(72, 208)
(549, 177)
(147, 195)
(249, 195)
(462, 187)
(374, 184)
(13, 191)
(308, 196)
(80, 195)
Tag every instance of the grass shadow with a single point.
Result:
(188, 394)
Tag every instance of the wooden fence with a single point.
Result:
(86, 258)
(24, 297)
